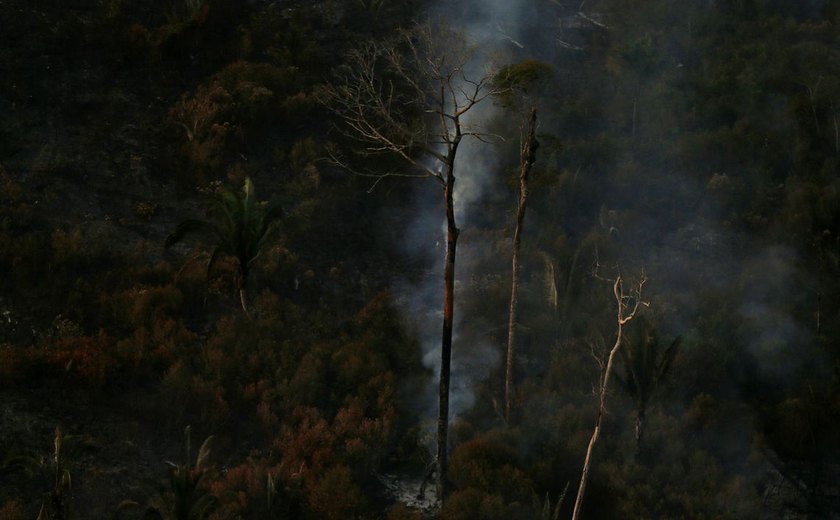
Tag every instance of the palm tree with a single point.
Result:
(240, 226)
(646, 366)
(53, 470)
(187, 498)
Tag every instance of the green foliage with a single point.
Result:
(240, 226)
(547, 510)
(490, 465)
(52, 472)
(528, 77)
(646, 366)
(186, 497)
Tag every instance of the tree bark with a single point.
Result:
(622, 318)
(385, 119)
(452, 232)
(596, 432)
(527, 157)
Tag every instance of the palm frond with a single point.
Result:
(204, 453)
(214, 258)
(668, 359)
(189, 227)
(249, 198)
(645, 365)
(202, 507)
(124, 506)
(241, 227)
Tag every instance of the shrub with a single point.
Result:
(143, 306)
(490, 465)
(86, 359)
(238, 100)
(188, 397)
(11, 510)
(185, 495)
(306, 441)
(336, 496)
(257, 489)
(472, 503)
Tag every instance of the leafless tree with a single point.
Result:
(627, 305)
(409, 98)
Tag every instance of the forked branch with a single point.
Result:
(627, 306)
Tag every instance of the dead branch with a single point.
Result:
(627, 306)
(594, 22)
(406, 98)
(334, 158)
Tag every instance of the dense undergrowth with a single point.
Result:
(694, 141)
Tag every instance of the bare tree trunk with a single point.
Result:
(622, 318)
(527, 156)
(596, 432)
(446, 340)
(429, 63)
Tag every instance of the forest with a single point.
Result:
(419, 259)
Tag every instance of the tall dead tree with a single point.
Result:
(519, 87)
(627, 306)
(527, 156)
(408, 98)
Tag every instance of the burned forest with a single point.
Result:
(419, 259)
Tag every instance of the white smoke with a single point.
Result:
(775, 339)
(490, 27)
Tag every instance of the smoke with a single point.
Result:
(476, 166)
(491, 28)
(678, 222)
(676, 236)
(775, 338)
